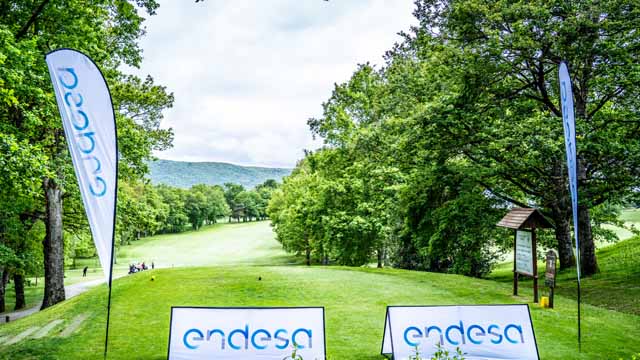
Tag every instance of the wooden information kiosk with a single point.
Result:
(525, 221)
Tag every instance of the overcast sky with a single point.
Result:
(248, 74)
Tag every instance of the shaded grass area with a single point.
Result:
(32, 295)
(354, 299)
(616, 286)
(34, 288)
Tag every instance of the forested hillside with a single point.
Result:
(186, 174)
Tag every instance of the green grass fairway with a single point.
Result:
(233, 256)
(355, 300)
(631, 217)
(223, 244)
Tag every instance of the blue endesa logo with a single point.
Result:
(83, 136)
(239, 339)
(476, 334)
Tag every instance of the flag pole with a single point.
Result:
(113, 242)
(115, 210)
(569, 125)
(106, 337)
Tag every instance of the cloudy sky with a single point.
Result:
(248, 74)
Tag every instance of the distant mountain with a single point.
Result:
(186, 174)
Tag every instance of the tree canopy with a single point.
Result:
(425, 153)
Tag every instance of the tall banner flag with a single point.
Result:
(88, 119)
(89, 125)
(568, 120)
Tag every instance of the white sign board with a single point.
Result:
(487, 332)
(246, 333)
(524, 253)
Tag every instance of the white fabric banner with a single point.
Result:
(87, 115)
(246, 333)
(487, 332)
(569, 124)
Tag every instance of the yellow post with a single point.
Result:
(544, 301)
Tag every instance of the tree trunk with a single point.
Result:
(561, 213)
(588, 262)
(380, 253)
(3, 286)
(562, 220)
(308, 251)
(18, 285)
(53, 246)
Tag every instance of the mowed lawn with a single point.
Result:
(631, 218)
(221, 244)
(354, 301)
(250, 243)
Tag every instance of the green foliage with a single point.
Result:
(33, 148)
(145, 209)
(294, 354)
(634, 357)
(141, 211)
(444, 354)
(440, 354)
(423, 155)
(450, 221)
(176, 219)
(370, 193)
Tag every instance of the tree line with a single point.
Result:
(145, 210)
(423, 155)
(41, 212)
(142, 210)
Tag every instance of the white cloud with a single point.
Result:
(248, 74)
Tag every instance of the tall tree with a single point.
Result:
(108, 31)
(500, 108)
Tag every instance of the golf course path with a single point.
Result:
(70, 291)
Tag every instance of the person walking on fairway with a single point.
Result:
(84, 271)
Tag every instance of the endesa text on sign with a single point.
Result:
(246, 333)
(479, 331)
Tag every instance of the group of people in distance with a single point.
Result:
(134, 268)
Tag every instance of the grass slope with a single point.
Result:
(220, 244)
(186, 174)
(354, 298)
(616, 287)
(631, 217)
(248, 243)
